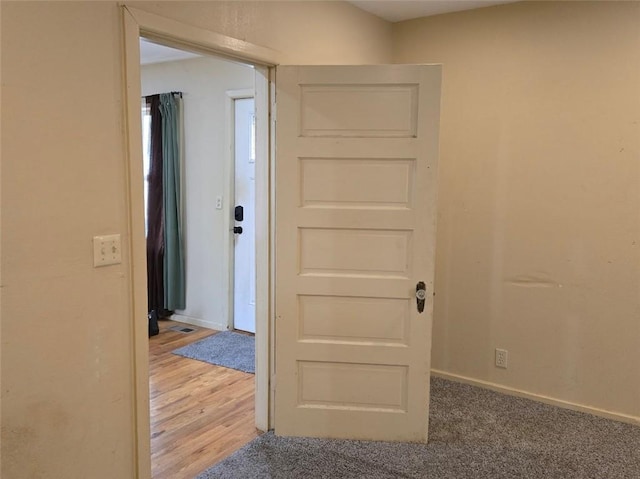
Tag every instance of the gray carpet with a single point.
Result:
(474, 434)
(227, 349)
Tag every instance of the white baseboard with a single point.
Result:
(199, 322)
(537, 397)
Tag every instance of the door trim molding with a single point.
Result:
(138, 23)
(135, 249)
(188, 37)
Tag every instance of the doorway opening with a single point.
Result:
(208, 409)
(137, 24)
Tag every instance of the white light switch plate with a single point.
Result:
(106, 250)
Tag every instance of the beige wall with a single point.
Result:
(67, 385)
(539, 227)
(66, 361)
(305, 32)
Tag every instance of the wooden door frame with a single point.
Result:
(137, 23)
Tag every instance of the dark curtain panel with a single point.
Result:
(155, 213)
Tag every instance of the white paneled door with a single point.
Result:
(357, 150)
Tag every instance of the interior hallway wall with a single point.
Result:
(206, 175)
(539, 227)
(67, 365)
(304, 32)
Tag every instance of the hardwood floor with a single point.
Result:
(200, 413)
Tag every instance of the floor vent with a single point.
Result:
(182, 329)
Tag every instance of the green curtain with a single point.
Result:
(174, 282)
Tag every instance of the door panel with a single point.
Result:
(358, 110)
(353, 385)
(355, 231)
(384, 183)
(353, 319)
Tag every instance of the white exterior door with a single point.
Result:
(244, 282)
(357, 150)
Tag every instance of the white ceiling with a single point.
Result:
(154, 53)
(399, 10)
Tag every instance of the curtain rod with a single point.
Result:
(173, 93)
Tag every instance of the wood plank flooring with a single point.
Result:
(200, 413)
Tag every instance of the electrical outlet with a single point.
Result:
(218, 202)
(502, 356)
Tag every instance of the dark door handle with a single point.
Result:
(237, 230)
(421, 295)
(239, 213)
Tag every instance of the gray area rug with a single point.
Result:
(474, 433)
(227, 349)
